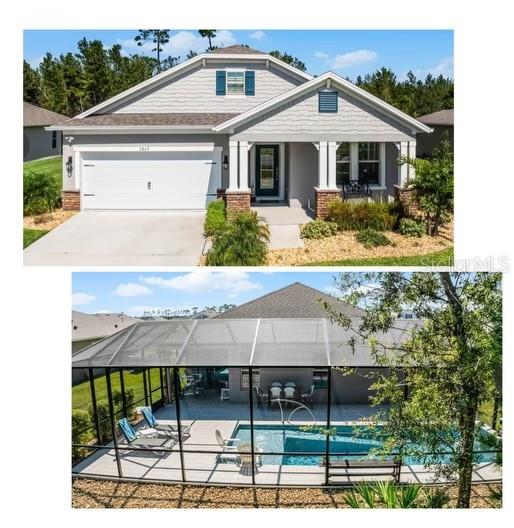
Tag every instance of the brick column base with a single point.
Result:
(237, 202)
(324, 197)
(407, 197)
(70, 200)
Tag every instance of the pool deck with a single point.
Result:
(206, 468)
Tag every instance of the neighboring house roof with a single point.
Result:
(95, 326)
(236, 48)
(227, 53)
(442, 117)
(36, 116)
(293, 301)
(175, 119)
(328, 78)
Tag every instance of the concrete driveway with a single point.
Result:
(105, 238)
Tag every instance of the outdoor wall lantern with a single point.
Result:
(225, 162)
(69, 167)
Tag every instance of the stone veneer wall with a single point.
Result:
(408, 199)
(237, 202)
(324, 197)
(70, 200)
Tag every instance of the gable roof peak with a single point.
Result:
(236, 48)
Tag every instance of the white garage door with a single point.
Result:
(150, 180)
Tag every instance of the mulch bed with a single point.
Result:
(345, 246)
(47, 221)
(88, 493)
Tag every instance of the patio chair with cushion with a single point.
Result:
(225, 442)
(132, 437)
(274, 394)
(152, 422)
(289, 392)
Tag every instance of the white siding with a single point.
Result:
(301, 117)
(195, 91)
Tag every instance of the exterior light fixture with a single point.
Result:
(225, 162)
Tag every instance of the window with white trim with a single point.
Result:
(54, 139)
(343, 164)
(369, 163)
(245, 378)
(235, 82)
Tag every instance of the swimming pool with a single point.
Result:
(290, 439)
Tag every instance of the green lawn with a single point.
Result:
(31, 235)
(81, 394)
(440, 258)
(50, 165)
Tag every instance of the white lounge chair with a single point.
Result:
(224, 442)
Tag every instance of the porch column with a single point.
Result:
(412, 155)
(332, 149)
(237, 196)
(322, 164)
(403, 170)
(354, 161)
(233, 166)
(326, 191)
(244, 184)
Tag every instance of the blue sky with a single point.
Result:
(346, 52)
(134, 293)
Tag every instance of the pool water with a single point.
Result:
(290, 439)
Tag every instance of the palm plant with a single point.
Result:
(243, 241)
(383, 495)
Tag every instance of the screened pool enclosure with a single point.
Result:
(232, 401)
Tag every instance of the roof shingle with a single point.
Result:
(36, 116)
(293, 301)
(175, 119)
(442, 117)
(237, 48)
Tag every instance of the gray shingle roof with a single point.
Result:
(237, 48)
(442, 117)
(36, 116)
(295, 300)
(175, 119)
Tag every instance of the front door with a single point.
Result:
(267, 170)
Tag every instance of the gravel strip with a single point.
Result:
(345, 246)
(47, 221)
(87, 493)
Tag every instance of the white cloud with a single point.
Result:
(233, 282)
(332, 290)
(443, 67)
(78, 299)
(131, 289)
(258, 35)
(180, 43)
(347, 60)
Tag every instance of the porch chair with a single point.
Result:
(164, 428)
(306, 397)
(132, 437)
(224, 442)
(274, 393)
(229, 452)
(262, 398)
(289, 392)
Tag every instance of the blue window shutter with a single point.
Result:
(327, 101)
(220, 82)
(249, 82)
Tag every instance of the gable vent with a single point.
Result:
(327, 101)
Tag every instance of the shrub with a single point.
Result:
(117, 400)
(318, 229)
(370, 238)
(41, 193)
(104, 421)
(215, 218)
(436, 498)
(80, 431)
(411, 228)
(363, 215)
(243, 241)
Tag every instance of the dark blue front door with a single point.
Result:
(267, 170)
